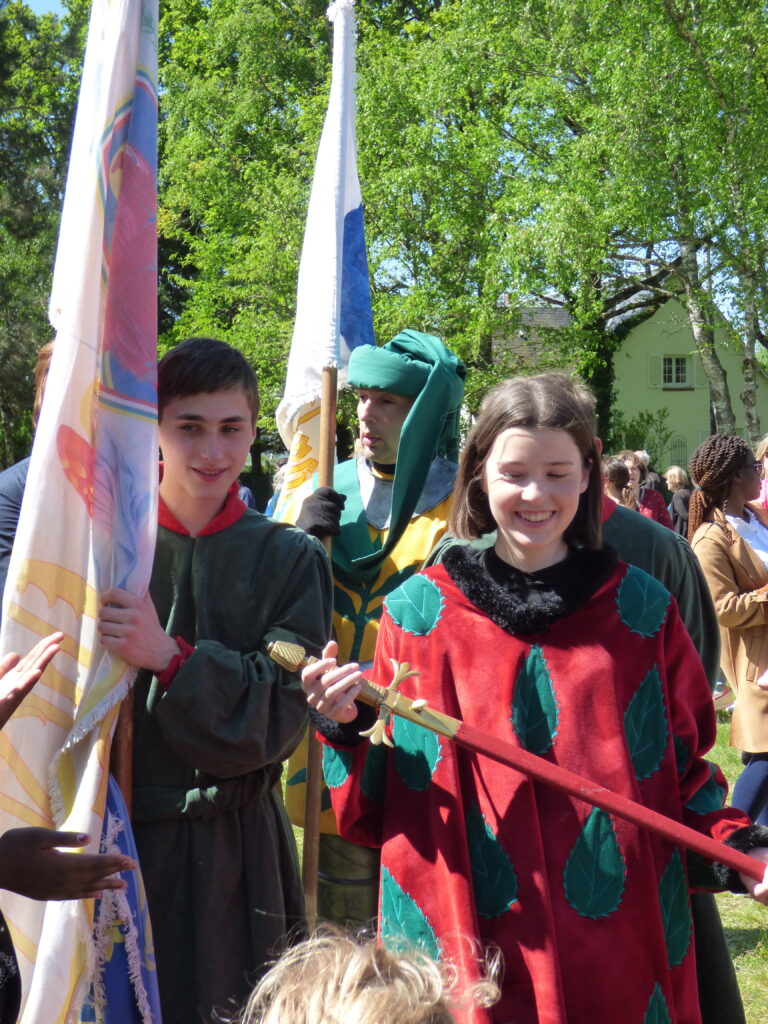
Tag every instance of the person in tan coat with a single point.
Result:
(729, 535)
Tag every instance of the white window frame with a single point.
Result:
(676, 372)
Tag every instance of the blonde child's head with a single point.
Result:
(332, 978)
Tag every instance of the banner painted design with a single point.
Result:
(89, 517)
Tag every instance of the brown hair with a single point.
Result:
(713, 466)
(41, 376)
(201, 366)
(616, 473)
(548, 401)
(635, 460)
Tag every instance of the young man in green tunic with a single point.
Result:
(214, 716)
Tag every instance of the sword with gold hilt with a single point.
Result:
(389, 702)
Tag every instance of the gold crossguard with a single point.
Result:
(294, 658)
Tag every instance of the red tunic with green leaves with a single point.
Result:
(590, 912)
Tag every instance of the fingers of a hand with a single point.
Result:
(103, 864)
(338, 681)
(758, 890)
(9, 661)
(338, 700)
(32, 666)
(110, 615)
(44, 647)
(331, 649)
(312, 674)
(48, 838)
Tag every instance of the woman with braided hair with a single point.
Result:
(729, 534)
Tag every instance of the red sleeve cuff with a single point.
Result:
(166, 677)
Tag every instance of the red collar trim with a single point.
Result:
(609, 507)
(234, 509)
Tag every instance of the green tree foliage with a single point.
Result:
(647, 431)
(39, 71)
(570, 152)
(244, 87)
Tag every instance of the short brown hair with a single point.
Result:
(548, 401)
(201, 366)
(635, 460)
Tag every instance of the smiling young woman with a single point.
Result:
(546, 641)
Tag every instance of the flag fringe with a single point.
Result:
(80, 731)
(115, 912)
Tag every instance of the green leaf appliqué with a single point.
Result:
(658, 1011)
(642, 602)
(645, 726)
(710, 797)
(336, 767)
(417, 753)
(675, 912)
(416, 606)
(373, 779)
(595, 872)
(682, 754)
(403, 923)
(534, 706)
(493, 878)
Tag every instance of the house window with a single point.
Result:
(675, 372)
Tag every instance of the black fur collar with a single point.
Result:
(522, 602)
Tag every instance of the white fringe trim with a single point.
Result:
(79, 732)
(114, 911)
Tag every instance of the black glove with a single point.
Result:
(321, 513)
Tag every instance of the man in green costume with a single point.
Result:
(389, 508)
(214, 716)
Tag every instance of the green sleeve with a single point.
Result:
(228, 712)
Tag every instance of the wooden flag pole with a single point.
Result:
(314, 784)
(121, 754)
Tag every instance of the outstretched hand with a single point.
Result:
(19, 674)
(31, 865)
(331, 688)
(758, 890)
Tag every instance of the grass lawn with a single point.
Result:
(745, 922)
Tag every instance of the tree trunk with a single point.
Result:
(5, 438)
(749, 394)
(701, 318)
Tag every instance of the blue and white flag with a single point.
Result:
(333, 302)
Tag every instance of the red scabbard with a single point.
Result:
(580, 787)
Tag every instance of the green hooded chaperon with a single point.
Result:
(421, 367)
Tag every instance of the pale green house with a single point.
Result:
(657, 368)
